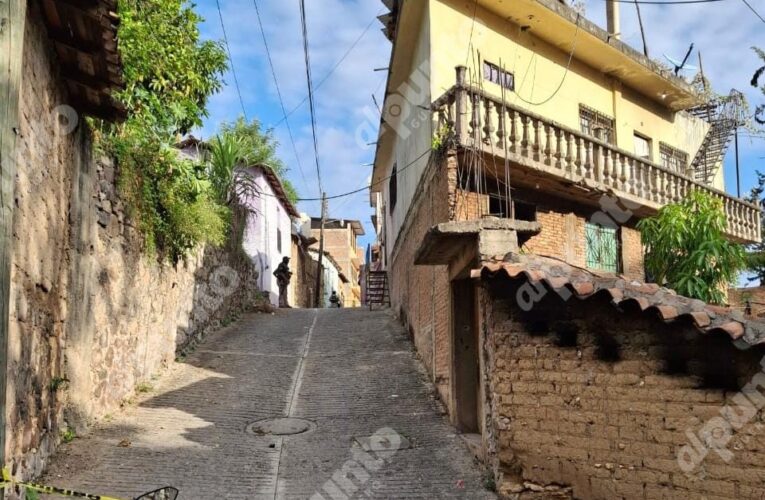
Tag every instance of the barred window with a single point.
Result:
(673, 158)
(602, 247)
(495, 74)
(596, 124)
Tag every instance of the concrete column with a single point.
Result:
(612, 19)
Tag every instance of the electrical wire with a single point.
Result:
(472, 28)
(331, 71)
(565, 73)
(753, 10)
(311, 104)
(231, 59)
(373, 184)
(279, 92)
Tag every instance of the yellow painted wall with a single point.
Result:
(539, 69)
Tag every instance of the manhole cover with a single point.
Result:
(280, 426)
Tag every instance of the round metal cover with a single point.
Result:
(282, 426)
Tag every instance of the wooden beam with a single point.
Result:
(13, 12)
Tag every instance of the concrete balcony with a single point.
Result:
(579, 165)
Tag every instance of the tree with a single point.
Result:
(759, 112)
(755, 257)
(169, 76)
(686, 248)
(259, 148)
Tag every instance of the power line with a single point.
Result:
(231, 59)
(371, 185)
(472, 27)
(565, 73)
(279, 93)
(753, 10)
(311, 104)
(331, 71)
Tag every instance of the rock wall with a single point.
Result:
(91, 315)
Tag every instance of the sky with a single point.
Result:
(348, 31)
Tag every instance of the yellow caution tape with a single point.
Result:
(8, 481)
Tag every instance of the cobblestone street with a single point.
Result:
(351, 373)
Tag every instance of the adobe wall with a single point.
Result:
(91, 316)
(601, 404)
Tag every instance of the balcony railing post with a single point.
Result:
(461, 105)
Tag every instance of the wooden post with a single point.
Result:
(321, 249)
(12, 22)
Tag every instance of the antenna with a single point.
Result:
(681, 65)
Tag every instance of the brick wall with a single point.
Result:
(304, 270)
(563, 235)
(589, 402)
(421, 294)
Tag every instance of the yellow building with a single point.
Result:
(520, 128)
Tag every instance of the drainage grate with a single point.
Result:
(280, 426)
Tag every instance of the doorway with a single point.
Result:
(465, 361)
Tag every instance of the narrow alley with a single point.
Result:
(350, 373)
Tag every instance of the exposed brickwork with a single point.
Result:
(304, 269)
(421, 294)
(588, 397)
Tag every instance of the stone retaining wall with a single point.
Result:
(91, 315)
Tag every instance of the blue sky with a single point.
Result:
(722, 31)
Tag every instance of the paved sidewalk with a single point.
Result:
(349, 372)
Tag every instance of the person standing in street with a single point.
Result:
(283, 277)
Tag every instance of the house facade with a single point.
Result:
(267, 235)
(332, 278)
(517, 129)
(340, 241)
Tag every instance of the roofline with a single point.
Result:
(278, 187)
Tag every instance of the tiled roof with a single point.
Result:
(625, 293)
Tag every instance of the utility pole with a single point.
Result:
(13, 14)
(321, 249)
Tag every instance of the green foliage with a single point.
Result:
(253, 146)
(686, 248)
(759, 113)
(57, 383)
(755, 256)
(30, 494)
(169, 75)
(68, 435)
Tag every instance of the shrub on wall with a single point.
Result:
(169, 76)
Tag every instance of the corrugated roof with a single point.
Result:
(649, 298)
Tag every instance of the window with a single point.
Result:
(495, 74)
(642, 146)
(278, 240)
(596, 124)
(673, 158)
(603, 248)
(393, 188)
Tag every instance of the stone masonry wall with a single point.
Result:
(421, 294)
(590, 402)
(91, 315)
